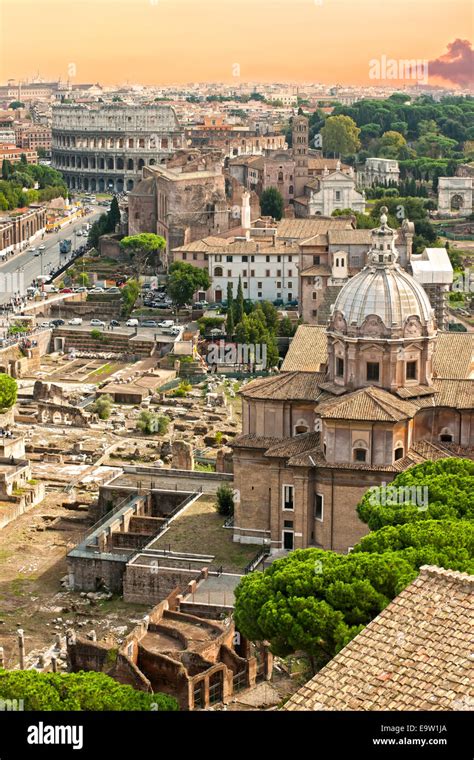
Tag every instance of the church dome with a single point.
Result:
(382, 291)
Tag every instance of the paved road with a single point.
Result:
(29, 266)
(148, 332)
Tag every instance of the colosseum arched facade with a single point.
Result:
(103, 148)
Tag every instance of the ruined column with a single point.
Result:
(21, 648)
(54, 664)
(2, 658)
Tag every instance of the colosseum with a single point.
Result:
(103, 148)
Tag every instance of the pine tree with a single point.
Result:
(239, 304)
(113, 216)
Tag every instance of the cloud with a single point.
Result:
(457, 65)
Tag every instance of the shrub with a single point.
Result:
(149, 423)
(225, 500)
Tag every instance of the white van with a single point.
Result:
(132, 322)
(166, 323)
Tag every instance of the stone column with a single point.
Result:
(2, 658)
(21, 648)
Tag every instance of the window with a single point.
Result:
(259, 285)
(217, 271)
(290, 258)
(245, 285)
(229, 273)
(288, 523)
(279, 259)
(290, 273)
(318, 506)
(338, 195)
(218, 257)
(315, 312)
(259, 294)
(412, 372)
(337, 262)
(290, 285)
(278, 295)
(185, 256)
(398, 454)
(245, 258)
(315, 295)
(228, 258)
(288, 498)
(316, 260)
(267, 259)
(373, 371)
(339, 367)
(252, 259)
(290, 295)
(278, 272)
(267, 273)
(244, 273)
(278, 284)
(360, 455)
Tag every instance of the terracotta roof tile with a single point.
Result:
(415, 655)
(287, 385)
(308, 350)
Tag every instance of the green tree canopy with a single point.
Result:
(340, 135)
(78, 691)
(8, 391)
(272, 203)
(184, 280)
(450, 492)
(143, 249)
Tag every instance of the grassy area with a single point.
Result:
(200, 530)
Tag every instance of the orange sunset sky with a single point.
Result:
(176, 41)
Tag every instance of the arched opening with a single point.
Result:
(457, 202)
(280, 176)
(360, 451)
(300, 428)
(119, 163)
(399, 451)
(93, 184)
(130, 164)
(446, 436)
(101, 163)
(217, 271)
(130, 184)
(152, 161)
(141, 163)
(101, 185)
(120, 185)
(110, 163)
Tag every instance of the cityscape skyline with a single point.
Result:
(125, 44)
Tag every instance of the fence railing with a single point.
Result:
(261, 554)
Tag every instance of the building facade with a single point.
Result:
(376, 392)
(455, 195)
(332, 191)
(102, 148)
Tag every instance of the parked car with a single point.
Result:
(97, 323)
(36, 253)
(201, 304)
(75, 321)
(96, 290)
(114, 323)
(132, 322)
(175, 330)
(113, 290)
(46, 324)
(42, 247)
(66, 290)
(166, 323)
(32, 250)
(149, 323)
(58, 322)
(79, 233)
(82, 289)
(278, 302)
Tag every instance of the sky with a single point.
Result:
(178, 41)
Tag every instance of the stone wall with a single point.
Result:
(87, 572)
(145, 584)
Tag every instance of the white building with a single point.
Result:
(434, 271)
(455, 195)
(334, 190)
(378, 171)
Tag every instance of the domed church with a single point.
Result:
(375, 392)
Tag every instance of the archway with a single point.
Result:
(457, 202)
(130, 184)
(101, 185)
